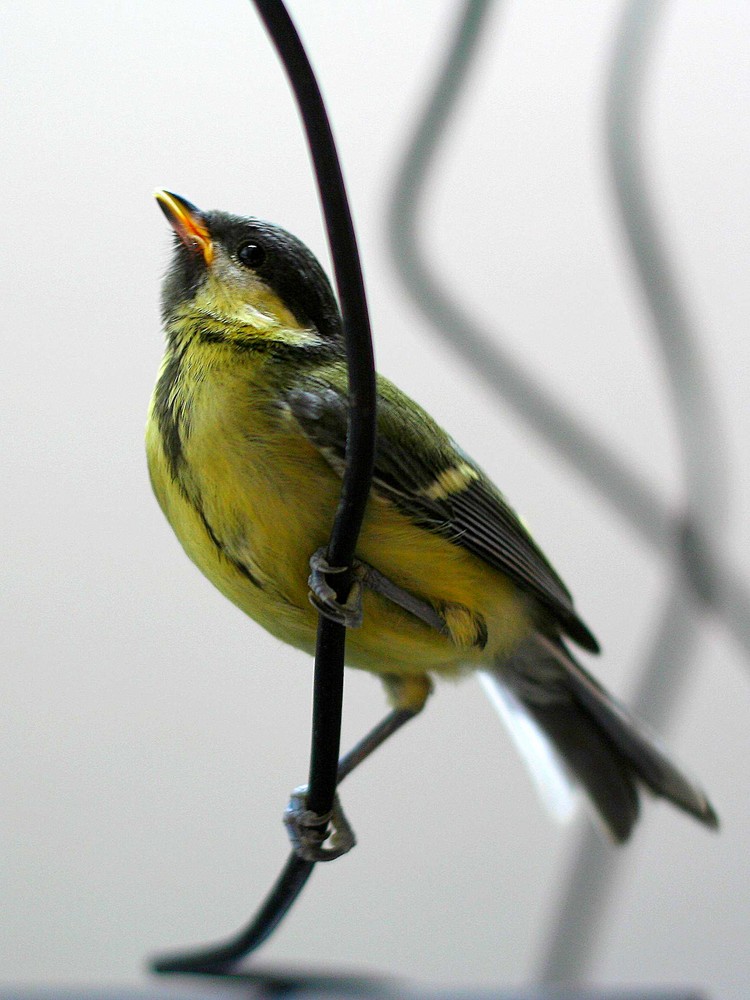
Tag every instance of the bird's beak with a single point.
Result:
(187, 222)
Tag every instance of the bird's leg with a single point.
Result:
(395, 719)
(408, 695)
(323, 838)
(323, 596)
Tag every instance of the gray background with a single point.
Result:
(148, 733)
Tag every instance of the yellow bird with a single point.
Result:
(245, 439)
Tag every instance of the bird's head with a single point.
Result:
(252, 279)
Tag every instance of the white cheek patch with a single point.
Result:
(237, 281)
(257, 319)
(234, 294)
(229, 291)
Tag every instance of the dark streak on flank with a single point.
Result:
(172, 425)
(240, 567)
(168, 419)
(482, 635)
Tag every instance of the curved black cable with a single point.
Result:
(480, 348)
(623, 488)
(218, 959)
(360, 452)
(595, 866)
(686, 540)
(360, 442)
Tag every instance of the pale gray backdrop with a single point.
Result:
(148, 733)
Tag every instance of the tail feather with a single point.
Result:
(602, 745)
(597, 763)
(554, 783)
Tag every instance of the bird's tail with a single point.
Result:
(559, 715)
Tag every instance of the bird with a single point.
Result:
(245, 441)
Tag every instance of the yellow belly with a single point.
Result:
(269, 497)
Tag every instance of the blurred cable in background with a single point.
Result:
(695, 579)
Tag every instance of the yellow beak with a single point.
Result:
(187, 222)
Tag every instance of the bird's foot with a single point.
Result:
(314, 837)
(323, 596)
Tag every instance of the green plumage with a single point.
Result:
(246, 441)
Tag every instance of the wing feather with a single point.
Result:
(414, 459)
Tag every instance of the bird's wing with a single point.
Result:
(422, 471)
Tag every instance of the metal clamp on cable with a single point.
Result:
(309, 832)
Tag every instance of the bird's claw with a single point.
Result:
(314, 837)
(323, 596)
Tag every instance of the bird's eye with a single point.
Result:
(251, 254)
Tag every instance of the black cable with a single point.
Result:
(593, 873)
(217, 958)
(360, 454)
(360, 445)
(697, 569)
(619, 484)
(479, 347)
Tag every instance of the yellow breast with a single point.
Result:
(251, 499)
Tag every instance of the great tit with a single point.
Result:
(246, 438)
